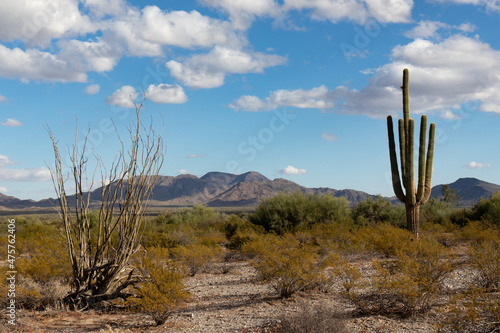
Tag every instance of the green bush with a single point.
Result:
(285, 212)
(379, 210)
(488, 210)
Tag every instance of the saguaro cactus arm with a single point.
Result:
(396, 181)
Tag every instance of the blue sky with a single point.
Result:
(292, 88)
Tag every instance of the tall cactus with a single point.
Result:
(413, 196)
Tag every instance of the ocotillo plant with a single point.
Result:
(412, 197)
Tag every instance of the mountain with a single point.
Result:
(470, 190)
(219, 189)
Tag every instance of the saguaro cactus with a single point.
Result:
(413, 196)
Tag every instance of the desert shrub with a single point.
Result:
(46, 261)
(311, 319)
(485, 258)
(436, 211)
(386, 239)
(285, 212)
(488, 210)
(198, 216)
(195, 256)
(479, 231)
(162, 291)
(286, 264)
(404, 286)
(379, 210)
(474, 311)
(339, 237)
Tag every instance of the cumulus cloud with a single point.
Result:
(92, 89)
(195, 156)
(290, 170)
(209, 70)
(476, 165)
(429, 29)
(329, 137)
(2, 98)
(3, 189)
(98, 56)
(4, 161)
(243, 12)
(317, 98)
(145, 32)
(493, 5)
(37, 23)
(184, 172)
(11, 123)
(384, 11)
(33, 64)
(166, 93)
(124, 97)
(28, 175)
(443, 76)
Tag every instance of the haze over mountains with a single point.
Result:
(219, 189)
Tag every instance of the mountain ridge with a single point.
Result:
(220, 189)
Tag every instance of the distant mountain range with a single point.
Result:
(219, 189)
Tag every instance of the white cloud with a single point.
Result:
(11, 123)
(33, 64)
(144, 33)
(3, 189)
(317, 98)
(476, 165)
(98, 56)
(243, 12)
(92, 89)
(38, 22)
(35, 174)
(443, 76)
(124, 97)
(329, 137)
(429, 29)
(101, 8)
(493, 5)
(195, 156)
(384, 11)
(209, 70)
(290, 170)
(4, 160)
(184, 172)
(2, 98)
(166, 93)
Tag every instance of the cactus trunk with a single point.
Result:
(412, 196)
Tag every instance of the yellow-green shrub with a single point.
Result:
(386, 239)
(195, 256)
(286, 264)
(485, 258)
(162, 291)
(406, 285)
(474, 311)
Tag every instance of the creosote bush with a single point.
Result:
(287, 265)
(162, 292)
(404, 286)
(311, 319)
(195, 256)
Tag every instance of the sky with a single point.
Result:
(297, 89)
